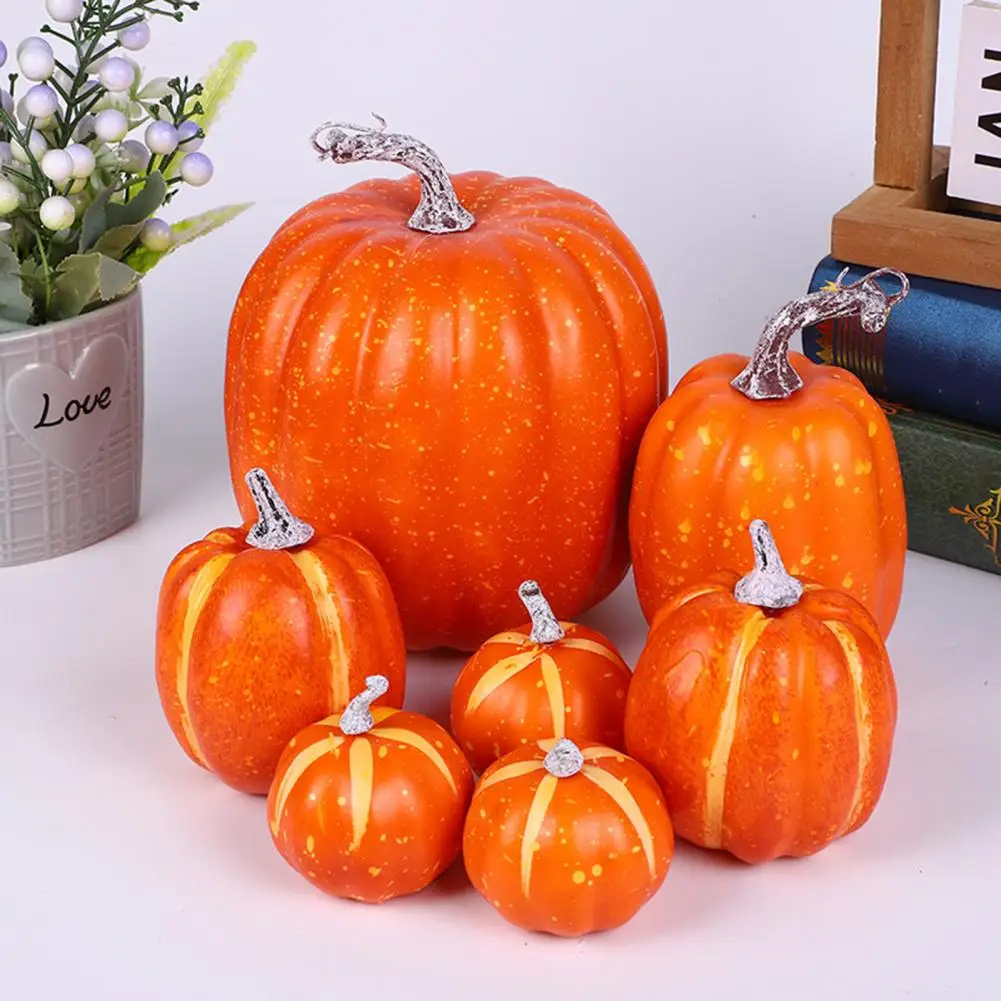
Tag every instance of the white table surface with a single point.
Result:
(127, 872)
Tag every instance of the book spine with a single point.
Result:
(952, 487)
(940, 350)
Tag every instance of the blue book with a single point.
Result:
(940, 350)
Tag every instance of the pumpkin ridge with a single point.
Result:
(534, 820)
(404, 735)
(295, 770)
(747, 638)
(554, 692)
(361, 769)
(201, 586)
(619, 792)
(863, 716)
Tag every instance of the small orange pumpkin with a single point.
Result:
(566, 839)
(546, 679)
(800, 445)
(766, 707)
(369, 804)
(260, 634)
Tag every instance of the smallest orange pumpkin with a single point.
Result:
(547, 679)
(369, 804)
(566, 839)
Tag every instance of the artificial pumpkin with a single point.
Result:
(261, 633)
(567, 839)
(459, 387)
(546, 679)
(765, 705)
(777, 437)
(370, 803)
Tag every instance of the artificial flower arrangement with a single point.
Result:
(90, 152)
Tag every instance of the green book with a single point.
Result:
(952, 485)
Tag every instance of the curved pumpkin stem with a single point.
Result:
(546, 627)
(769, 374)
(277, 527)
(564, 759)
(768, 585)
(357, 716)
(439, 210)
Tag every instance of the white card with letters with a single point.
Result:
(975, 162)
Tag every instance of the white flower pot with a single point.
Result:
(71, 417)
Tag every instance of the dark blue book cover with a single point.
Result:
(940, 350)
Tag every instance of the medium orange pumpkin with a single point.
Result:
(548, 679)
(766, 707)
(567, 839)
(260, 634)
(777, 437)
(370, 803)
(460, 388)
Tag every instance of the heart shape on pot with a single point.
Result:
(68, 417)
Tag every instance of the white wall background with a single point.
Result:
(721, 135)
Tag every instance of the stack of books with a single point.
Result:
(936, 369)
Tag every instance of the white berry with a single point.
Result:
(57, 166)
(162, 138)
(84, 162)
(10, 196)
(135, 36)
(133, 156)
(117, 74)
(36, 60)
(36, 148)
(64, 10)
(197, 169)
(190, 141)
(156, 235)
(85, 129)
(3, 54)
(111, 125)
(57, 213)
(41, 101)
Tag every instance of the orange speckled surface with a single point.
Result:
(467, 406)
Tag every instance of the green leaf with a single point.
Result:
(75, 286)
(186, 231)
(222, 80)
(95, 221)
(15, 305)
(85, 280)
(141, 207)
(117, 241)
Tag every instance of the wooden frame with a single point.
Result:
(906, 220)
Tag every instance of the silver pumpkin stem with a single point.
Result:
(546, 627)
(768, 585)
(277, 527)
(357, 716)
(564, 759)
(769, 374)
(439, 210)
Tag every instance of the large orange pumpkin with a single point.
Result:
(566, 838)
(777, 437)
(765, 706)
(370, 803)
(462, 388)
(548, 679)
(260, 634)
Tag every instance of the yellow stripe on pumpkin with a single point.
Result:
(594, 753)
(198, 593)
(533, 825)
(295, 770)
(591, 646)
(719, 760)
(500, 673)
(361, 771)
(554, 692)
(626, 802)
(419, 743)
(863, 720)
(326, 606)
(507, 772)
(510, 639)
